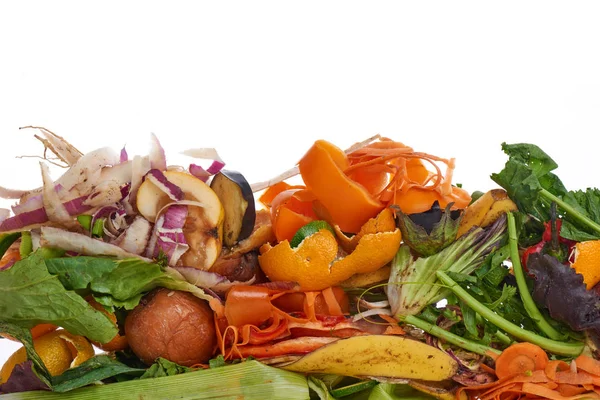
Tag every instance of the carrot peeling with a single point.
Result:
(524, 371)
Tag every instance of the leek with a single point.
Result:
(413, 282)
(249, 380)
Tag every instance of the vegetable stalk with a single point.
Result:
(449, 337)
(566, 349)
(528, 302)
(574, 214)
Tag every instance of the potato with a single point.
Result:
(378, 355)
(171, 324)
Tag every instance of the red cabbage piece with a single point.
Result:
(23, 379)
(561, 290)
(160, 180)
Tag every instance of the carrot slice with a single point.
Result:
(538, 390)
(553, 366)
(521, 358)
(588, 364)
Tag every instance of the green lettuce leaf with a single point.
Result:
(117, 283)
(30, 295)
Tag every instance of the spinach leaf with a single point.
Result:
(529, 182)
(30, 295)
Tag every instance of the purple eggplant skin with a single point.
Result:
(237, 198)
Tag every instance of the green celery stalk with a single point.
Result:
(449, 336)
(249, 380)
(572, 213)
(561, 348)
(528, 302)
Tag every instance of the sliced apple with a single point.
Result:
(203, 228)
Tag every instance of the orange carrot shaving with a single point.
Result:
(535, 377)
(588, 364)
(520, 358)
(555, 365)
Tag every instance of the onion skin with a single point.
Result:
(174, 325)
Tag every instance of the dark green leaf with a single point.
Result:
(217, 362)
(95, 369)
(469, 319)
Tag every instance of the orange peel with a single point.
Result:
(587, 262)
(315, 264)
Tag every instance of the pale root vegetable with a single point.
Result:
(378, 355)
(203, 229)
(485, 210)
(173, 325)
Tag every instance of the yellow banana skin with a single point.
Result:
(485, 210)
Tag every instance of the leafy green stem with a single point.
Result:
(573, 213)
(528, 303)
(449, 337)
(570, 349)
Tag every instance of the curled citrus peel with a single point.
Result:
(315, 264)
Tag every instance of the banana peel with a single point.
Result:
(485, 210)
(378, 355)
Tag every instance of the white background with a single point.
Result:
(260, 81)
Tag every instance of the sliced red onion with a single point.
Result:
(29, 219)
(116, 223)
(209, 280)
(29, 205)
(55, 210)
(71, 241)
(157, 154)
(215, 167)
(175, 217)
(123, 156)
(26, 219)
(160, 180)
(4, 213)
(77, 206)
(199, 172)
(136, 236)
(167, 235)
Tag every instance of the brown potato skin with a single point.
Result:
(174, 325)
